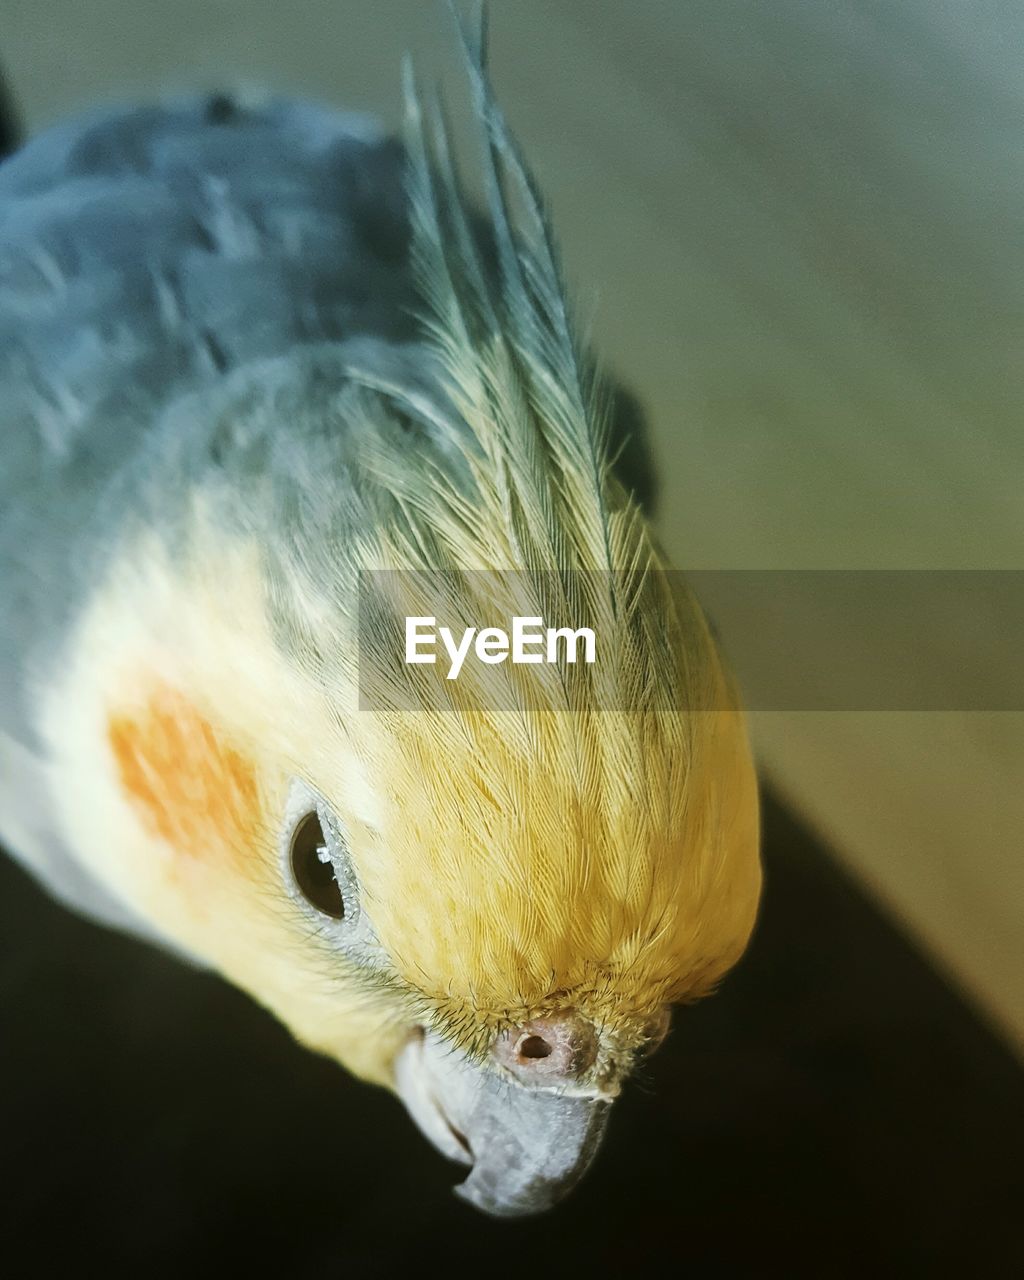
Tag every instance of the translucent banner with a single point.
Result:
(814, 640)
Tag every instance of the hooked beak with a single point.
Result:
(529, 1131)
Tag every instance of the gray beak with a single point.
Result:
(525, 1123)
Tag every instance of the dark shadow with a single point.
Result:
(835, 1111)
(10, 130)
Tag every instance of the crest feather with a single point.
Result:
(503, 332)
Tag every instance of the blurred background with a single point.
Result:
(798, 229)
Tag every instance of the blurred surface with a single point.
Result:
(834, 1111)
(801, 223)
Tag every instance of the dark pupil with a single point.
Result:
(314, 877)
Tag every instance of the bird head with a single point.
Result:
(484, 893)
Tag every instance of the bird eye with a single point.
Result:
(313, 869)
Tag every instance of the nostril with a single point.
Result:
(547, 1049)
(533, 1047)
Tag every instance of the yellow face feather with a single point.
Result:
(511, 864)
(171, 739)
(532, 849)
(504, 888)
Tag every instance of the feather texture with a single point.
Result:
(247, 422)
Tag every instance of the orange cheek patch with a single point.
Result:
(186, 783)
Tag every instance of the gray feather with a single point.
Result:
(148, 257)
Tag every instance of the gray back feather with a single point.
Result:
(143, 254)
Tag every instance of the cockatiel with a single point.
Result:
(252, 359)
